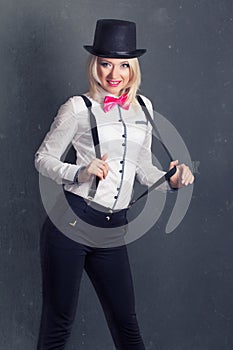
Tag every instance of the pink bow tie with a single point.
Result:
(110, 102)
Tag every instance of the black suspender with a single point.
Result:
(148, 116)
(94, 130)
(172, 171)
(95, 137)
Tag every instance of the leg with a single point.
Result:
(62, 262)
(109, 271)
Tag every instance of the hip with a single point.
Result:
(94, 213)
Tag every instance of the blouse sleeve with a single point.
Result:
(147, 173)
(48, 157)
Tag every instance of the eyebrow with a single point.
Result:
(104, 60)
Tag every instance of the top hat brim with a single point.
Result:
(115, 54)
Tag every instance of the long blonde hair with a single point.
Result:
(132, 87)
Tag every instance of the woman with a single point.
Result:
(124, 137)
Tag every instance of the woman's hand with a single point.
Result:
(96, 167)
(182, 177)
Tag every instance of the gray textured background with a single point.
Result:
(183, 281)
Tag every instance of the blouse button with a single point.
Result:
(118, 188)
(123, 135)
(121, 161)
(123, 144)
(120, 171)
(116, 197)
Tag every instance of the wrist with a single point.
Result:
(83, 175)
(172, 185)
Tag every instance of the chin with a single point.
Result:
(113, 91)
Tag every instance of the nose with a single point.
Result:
(114, 72)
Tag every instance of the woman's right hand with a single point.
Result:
(96, 167)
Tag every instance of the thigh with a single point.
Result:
(62, 262)
(110, 273)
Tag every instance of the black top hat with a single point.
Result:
(115, 39)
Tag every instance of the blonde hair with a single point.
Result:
(131, 88)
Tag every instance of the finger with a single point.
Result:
(104, 168)
(99, 173)
(105, 171)
(104, 157)
(184, 169)
(185, 175)
(192, 181)
(98, 163)
(173, 163)
(188, 182)
(188, 178)
(95, 168)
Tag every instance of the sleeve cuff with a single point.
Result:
(75, 180)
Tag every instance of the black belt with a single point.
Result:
(102, 211)
(102, 208)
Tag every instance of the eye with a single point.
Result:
(104, 64)
(125, 65)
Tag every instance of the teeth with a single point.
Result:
(114, 82)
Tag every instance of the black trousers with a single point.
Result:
(63, 261)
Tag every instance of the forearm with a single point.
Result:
(55, 169)
(148, 174)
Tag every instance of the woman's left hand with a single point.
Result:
(182, 177)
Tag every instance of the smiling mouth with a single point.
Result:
(113, 83)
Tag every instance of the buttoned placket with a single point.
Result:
(122, 162)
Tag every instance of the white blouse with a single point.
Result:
(125, 135)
